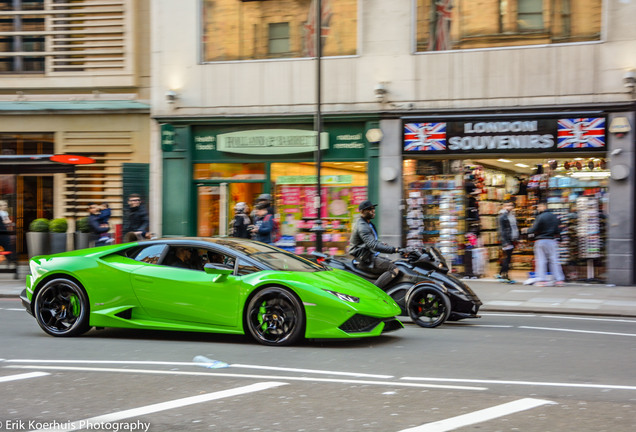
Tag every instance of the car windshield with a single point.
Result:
(282, 261)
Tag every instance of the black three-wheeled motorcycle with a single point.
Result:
(424, 289)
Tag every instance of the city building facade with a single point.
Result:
(475, 103)
(74, 79)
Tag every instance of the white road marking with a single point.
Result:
(162, 406)
(481, 415)
(164, 363)
(237, 365)
(523, 383)
(23, 376)
(483, 325)
(508, 314)
(589, 319)
(578, 331)
(14, 309)
(217, 373)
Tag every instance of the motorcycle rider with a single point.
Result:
(365, 246)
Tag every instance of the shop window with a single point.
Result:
(250, 30)
(465, 24)
(344, 187)
(229, 171)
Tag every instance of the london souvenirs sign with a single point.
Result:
(504, 136)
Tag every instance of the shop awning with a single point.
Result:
(64, 107)
(32, 164)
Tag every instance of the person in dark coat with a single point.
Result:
(136, 220)
(98, 229)
(366, 247)
(508, 235)
(241, 221)
(546, 229)
(263, 225)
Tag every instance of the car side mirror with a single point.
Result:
(219, 270)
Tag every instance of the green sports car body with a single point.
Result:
(220, 285)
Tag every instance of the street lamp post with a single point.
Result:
(318, 228)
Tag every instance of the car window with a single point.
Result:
(150, 254)
(284, 261)
(193, 258)
(245, 268)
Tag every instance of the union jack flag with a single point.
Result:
(309, 28)
(424, 136)
(581, 133)
(440, 39)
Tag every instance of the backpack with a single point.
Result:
(276, 236)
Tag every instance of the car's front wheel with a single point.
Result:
(61, 308)
(275, 316)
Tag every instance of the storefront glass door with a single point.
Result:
(215, 205)
(220, 186)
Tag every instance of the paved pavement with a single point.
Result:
(573, 298)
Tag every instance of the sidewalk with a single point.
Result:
(573, 298)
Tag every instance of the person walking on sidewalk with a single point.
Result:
(508, 235)
(546, 230)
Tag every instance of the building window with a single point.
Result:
(530, 15)
(73, 36)
(279, 39)
(443, 25)
(252, 30)
(15, 43)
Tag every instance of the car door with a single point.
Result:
(189, 295)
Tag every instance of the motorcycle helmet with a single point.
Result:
(240, 207)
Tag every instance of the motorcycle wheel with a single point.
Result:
(428, 307)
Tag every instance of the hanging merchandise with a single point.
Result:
(589, 227)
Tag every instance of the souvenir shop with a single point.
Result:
(458, 174)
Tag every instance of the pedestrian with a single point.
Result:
(546, 229)
(104, 218)
(508, 235)
(5, 228)
(366, 247)
(136, 220)
(263, 225)
(241, 221)
(97, 228)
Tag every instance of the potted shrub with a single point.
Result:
(82, 233)
(57, 229)
(38, 237)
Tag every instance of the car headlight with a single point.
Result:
(344, 297)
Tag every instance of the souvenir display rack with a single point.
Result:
(433, 215)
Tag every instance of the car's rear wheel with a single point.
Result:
(275, 316)
(61, 308)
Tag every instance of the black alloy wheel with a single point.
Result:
(61, 308)
(428, 307)
(275, 316)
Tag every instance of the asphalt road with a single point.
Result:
(503, 372)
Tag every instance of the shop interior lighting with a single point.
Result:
(522, 165)
(595, 174)
(504, 160)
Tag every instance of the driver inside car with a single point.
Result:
(365, 246)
